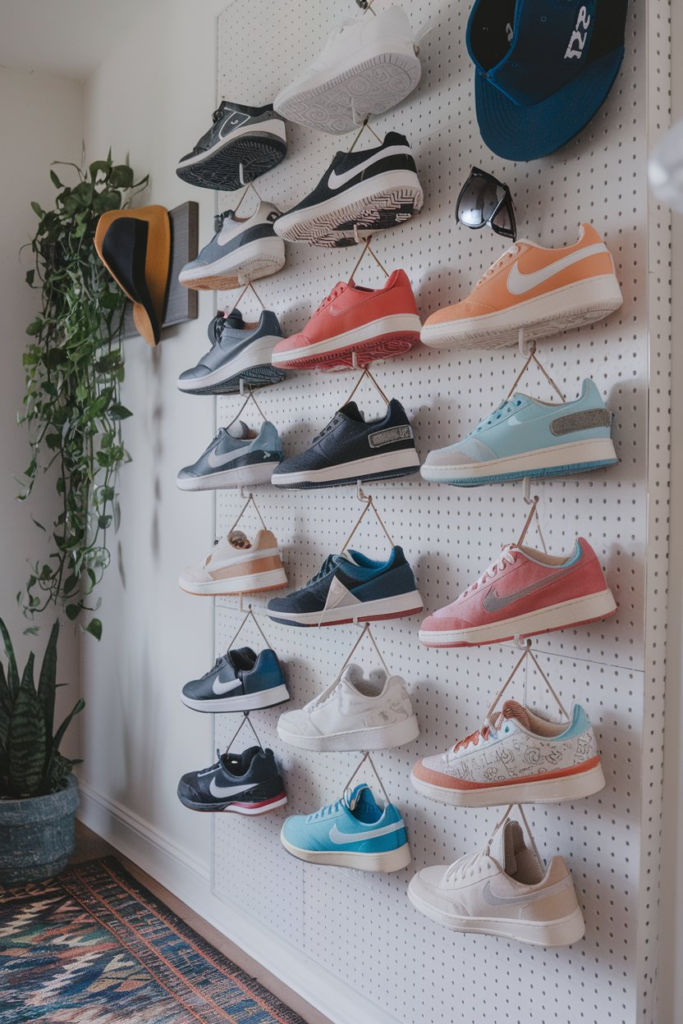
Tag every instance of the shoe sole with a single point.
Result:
(397, 607)
(559, 460)
(383, 201)
(381, 738)
(565, 615)
(250, 584)
(375, 467)
(241, 807)
(382, 338)
(369, 86)
(540, 791)
(256, 154)
(563, 309)
(564, 931)
(256, 259)
(241, 476)
(390, 860)
(244, 702)
(253, 366)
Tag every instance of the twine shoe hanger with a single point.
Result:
(365, 631)
(528, 350)
(527, 655)
(531, 500)
(246, 720)
(369, 503)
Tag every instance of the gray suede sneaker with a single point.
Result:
(239, 351)
(242, 250)
(237, 456)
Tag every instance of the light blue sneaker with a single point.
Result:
(526, 437)
(354, 832)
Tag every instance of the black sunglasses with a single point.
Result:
(485, 200)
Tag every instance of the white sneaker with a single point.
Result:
(237, 566)
(502, 890)
(354, 713)
(368, 66)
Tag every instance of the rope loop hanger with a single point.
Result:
(527, 655)
(246, 720)
(367, 248)
(528, 350)
(529, 833)
(369, 503)
(365, 631)
(532, 501)
(251, 500)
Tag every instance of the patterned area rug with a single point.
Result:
(93, 946)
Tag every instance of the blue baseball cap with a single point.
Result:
(543, 69)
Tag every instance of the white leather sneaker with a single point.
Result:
(502, 890)
(354, 713)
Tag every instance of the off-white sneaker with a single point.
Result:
(502, 890)
(369, 65)
(238, 566)
(354, 713)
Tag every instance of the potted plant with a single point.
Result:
(38, 792)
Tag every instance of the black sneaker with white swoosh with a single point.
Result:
(241, 145)
(239, 681)
(361, 192)
(247, 783)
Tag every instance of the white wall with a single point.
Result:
(150, 101)
(41, 120)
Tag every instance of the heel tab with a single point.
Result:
(591, 392)
(588, 235)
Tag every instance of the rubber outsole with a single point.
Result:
(255, 377)
(244, 702)
(380, 738)
(502, 478)
(538, 791)
(386, 346)
(308, 485)
(249, 270)
(242, 476)
(256, 154)
(387, 861)
(377, 84)
(235, 807)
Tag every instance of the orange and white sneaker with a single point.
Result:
(542, 291)
(353, 321)
(237, 566)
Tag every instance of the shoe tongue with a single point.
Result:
(237, 539)
(349, 556)
(352, 674)
(243, 652)
(239, 430)
(361, 799)
(352, 412)
(234, 319)
(507, 845)
(513, 709)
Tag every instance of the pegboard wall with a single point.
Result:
(361, 926)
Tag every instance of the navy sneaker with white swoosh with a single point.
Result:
(247, 783)
(239, 681)
(239, 352)
(351, 587)
(354, 832)
(242, 250)
(350, 448)
(236, 457)
(361, 192)
(241, 145)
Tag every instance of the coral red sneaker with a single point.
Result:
(353, 320)
(524, 593)
(543, 291)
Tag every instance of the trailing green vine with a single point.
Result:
(74, 368)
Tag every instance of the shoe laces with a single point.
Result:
(508, 556)
(327, 810)
(505, 258)
(497, 414)
(468, 865)
(326, 430)
(335, 293)
(329, 563)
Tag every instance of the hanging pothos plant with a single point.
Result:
(74, 369)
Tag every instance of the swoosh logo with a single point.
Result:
(336, 181)
(215, 461)
(519, 283)
(495, 900)
(235, 120)
(493, 602)
(221, 791)
(358, 837)
(220, 688)
(338, 595)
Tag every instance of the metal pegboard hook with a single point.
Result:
(530, 353)
(532, 501)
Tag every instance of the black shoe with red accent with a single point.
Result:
(246, 783)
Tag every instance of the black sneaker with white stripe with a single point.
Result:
(241, 145)
(367, 190)
(351, 449)
(246, 783)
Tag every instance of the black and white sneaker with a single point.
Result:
(239, 351)
(246, 783)
(368, 190)
(241, 251)
(351, 449)
(239, 681)
(237, 457)
(241, 145)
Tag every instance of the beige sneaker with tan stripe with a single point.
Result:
(238, 566)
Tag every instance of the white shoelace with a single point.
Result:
(508, 255)
(508, 556)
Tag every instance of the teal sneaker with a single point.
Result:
(526, 437)
(354, 832)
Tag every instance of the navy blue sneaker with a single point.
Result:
(246, 783)
(236, 457)
(351, 588)
(239, 681)
(350, 449)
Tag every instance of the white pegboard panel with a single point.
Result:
(361, 926)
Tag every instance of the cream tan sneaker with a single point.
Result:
(238, 566)
(503, 890)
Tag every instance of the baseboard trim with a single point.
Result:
(189, 880)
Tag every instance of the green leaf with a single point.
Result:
(34, 328)
(12, 672)
(119, 412)
(37, 209)
(94, 627)
(6, 701)
(121, 176)
(73, 611)
(55, 180)
(47, 686)
(99, 167)
(30, 276)
(59, 735)
(26, 746)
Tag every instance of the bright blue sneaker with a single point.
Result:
(526, 437)
(354, 832)
(351, 588)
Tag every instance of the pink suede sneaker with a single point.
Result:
(524, 593)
